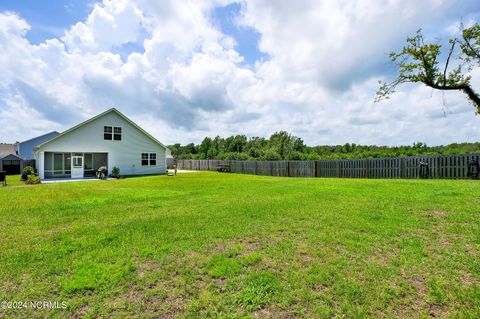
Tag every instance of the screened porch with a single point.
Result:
(73, 165)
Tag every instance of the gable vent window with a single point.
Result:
(149, 159)
(107, 132)
(112, 133)
(117, 133)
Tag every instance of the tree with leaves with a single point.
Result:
(284, 146)
(420, 62)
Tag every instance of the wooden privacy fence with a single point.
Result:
(448, 166)
(30, 163)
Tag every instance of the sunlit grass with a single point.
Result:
(233, 246)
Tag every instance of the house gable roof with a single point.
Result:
(112, 110)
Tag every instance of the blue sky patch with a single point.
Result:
(47, 19)
(132, 47)
(247, 38)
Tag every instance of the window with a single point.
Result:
(153, 159)
(77, 161)
(149, 159)
(117, 133)
(107, 132)
(14, 162)
(144, 159)
(112, 133)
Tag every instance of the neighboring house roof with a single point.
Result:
(34, 138)
(6, 149)
(11, 157)
(25, 148)
(114, 110)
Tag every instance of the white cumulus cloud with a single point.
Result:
(186, 79)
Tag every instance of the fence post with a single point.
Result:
(401, 168)
(437, 166)
(288, 168)
(366, 168)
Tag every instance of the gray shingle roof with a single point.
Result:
(6, 149)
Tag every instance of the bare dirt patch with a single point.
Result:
(81, 312)
(272, 312)
(242, 247)
(467, 279)
(161, 298)
(471, 250)
(439, 213)
(435, 230)
(383, 256)
(147, 267)
(416, 305)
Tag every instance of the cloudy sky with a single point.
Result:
(188, 69)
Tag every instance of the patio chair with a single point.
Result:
(102, 172)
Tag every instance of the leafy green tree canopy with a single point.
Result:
(421, 62)
(284, 146)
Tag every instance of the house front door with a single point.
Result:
(77, 166)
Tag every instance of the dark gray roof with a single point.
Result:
(11, 157)
(52, 133)
(7, 149)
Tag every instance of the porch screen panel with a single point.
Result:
(67, 163)
(48, 159)
(58, 164)
(99, 160)
(88, 164)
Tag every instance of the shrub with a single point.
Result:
(27, 170)
(271, 155)
(32, 179)
(115, 172)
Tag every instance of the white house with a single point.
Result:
(109, 139)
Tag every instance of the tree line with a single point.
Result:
(284, 146)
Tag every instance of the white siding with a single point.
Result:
(125, 154)
(40, 162)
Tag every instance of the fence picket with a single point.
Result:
(440, 166)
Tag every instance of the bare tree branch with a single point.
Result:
(452, 48)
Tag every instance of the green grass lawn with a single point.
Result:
(237, 246)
